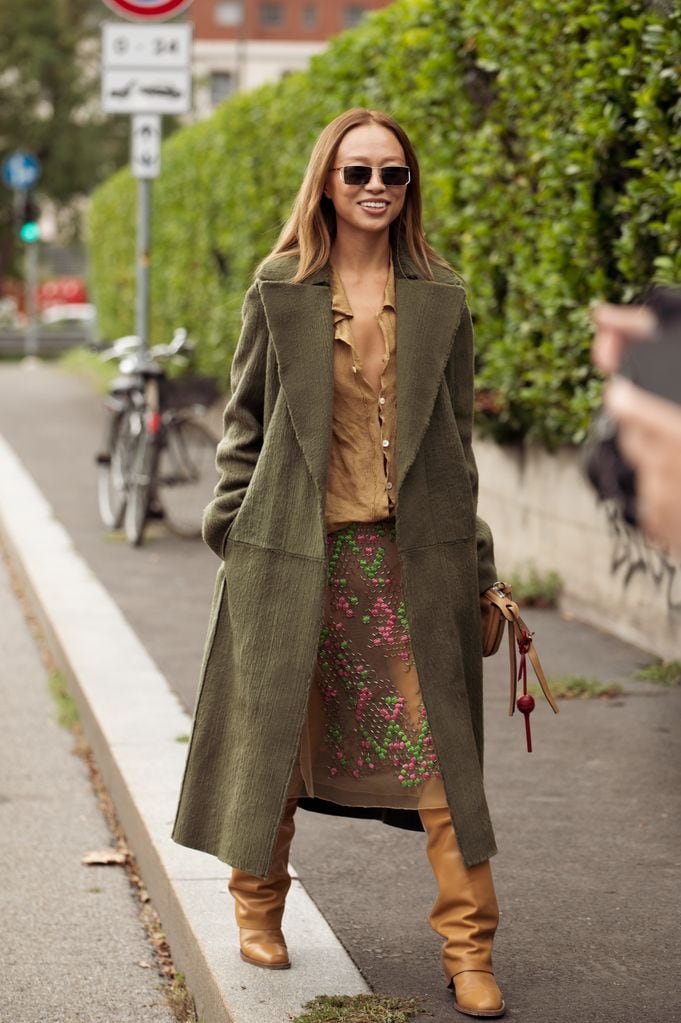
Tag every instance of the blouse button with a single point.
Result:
(382, 400)
(388, 486)
(386, 443)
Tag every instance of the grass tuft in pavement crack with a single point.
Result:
(360, 1009)
(180, 999)
(578, 687)
(67, 712)
(531, 588)
(665, 673)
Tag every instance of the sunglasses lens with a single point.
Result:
(360, 175)
(395, 175)
(356, 175)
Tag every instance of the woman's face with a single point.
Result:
(374, 206)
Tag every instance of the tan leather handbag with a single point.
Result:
(499, 613)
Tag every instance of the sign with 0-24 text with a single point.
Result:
(146, 46)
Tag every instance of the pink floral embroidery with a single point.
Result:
(368, 725)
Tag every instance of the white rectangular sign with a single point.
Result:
(146, 92)
(145, 150)
(146, 46)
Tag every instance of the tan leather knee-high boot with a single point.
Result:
(259, 903)
(465, 914)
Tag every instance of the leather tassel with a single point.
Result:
(525, 702)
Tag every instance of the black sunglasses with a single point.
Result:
(360, 175)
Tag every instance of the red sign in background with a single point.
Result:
(147, 10)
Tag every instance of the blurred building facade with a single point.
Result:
(241, 44)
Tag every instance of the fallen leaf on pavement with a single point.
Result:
(105, 858)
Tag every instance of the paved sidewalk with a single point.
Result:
(74, 948)
(589, 826)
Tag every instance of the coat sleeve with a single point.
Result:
(460, 380)
(238, 451)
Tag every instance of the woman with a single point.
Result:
(343, 664)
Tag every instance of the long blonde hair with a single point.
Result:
(311, 228)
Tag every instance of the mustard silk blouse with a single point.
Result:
(361, 470)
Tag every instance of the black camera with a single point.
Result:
(655, 365)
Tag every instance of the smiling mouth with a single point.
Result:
(377, 204)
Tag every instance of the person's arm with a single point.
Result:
(649, 436)
(649, 428)
(460, 379)
(240, 446)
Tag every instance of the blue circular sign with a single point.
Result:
(21, 170)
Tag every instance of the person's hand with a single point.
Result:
(615, 326)
(649, 436)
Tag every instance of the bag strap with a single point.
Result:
(519, 635)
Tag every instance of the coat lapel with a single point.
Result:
(301, 324)
(428, 316)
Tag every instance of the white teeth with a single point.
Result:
(374, 205)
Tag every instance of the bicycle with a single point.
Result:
(158, 461)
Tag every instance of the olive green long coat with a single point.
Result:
(267, 525)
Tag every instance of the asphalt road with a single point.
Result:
(588, 826)
(74, 949)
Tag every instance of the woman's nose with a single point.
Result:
(375, 181)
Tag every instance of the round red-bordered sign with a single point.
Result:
(147, 10)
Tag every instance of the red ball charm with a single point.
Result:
(525, 704)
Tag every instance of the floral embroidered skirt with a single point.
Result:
(367, 738)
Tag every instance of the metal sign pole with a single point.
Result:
(20, 171)
(31, 285)
(146, 72)
(143, 261)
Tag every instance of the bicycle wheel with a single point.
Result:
(186, 475)
(140, 488)
(113, 469)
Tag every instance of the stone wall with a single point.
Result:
(542, 510)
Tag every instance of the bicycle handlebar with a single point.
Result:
(179, 341)
(125, 346)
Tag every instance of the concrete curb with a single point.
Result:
(133, 721)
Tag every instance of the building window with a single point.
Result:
(271, 15)
(222, 85)
(228, 13)
(309, 16)
(352, 15)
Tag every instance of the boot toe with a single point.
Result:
(264, 948)
(477, 994)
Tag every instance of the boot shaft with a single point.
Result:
(259, 902)
(465, 913)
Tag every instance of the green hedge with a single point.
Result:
(550, 140)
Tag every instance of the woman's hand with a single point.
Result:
(649, 436)
(615, 326)
(649, 427)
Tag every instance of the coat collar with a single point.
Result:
(300, 321)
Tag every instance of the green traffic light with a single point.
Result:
(30, 231)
